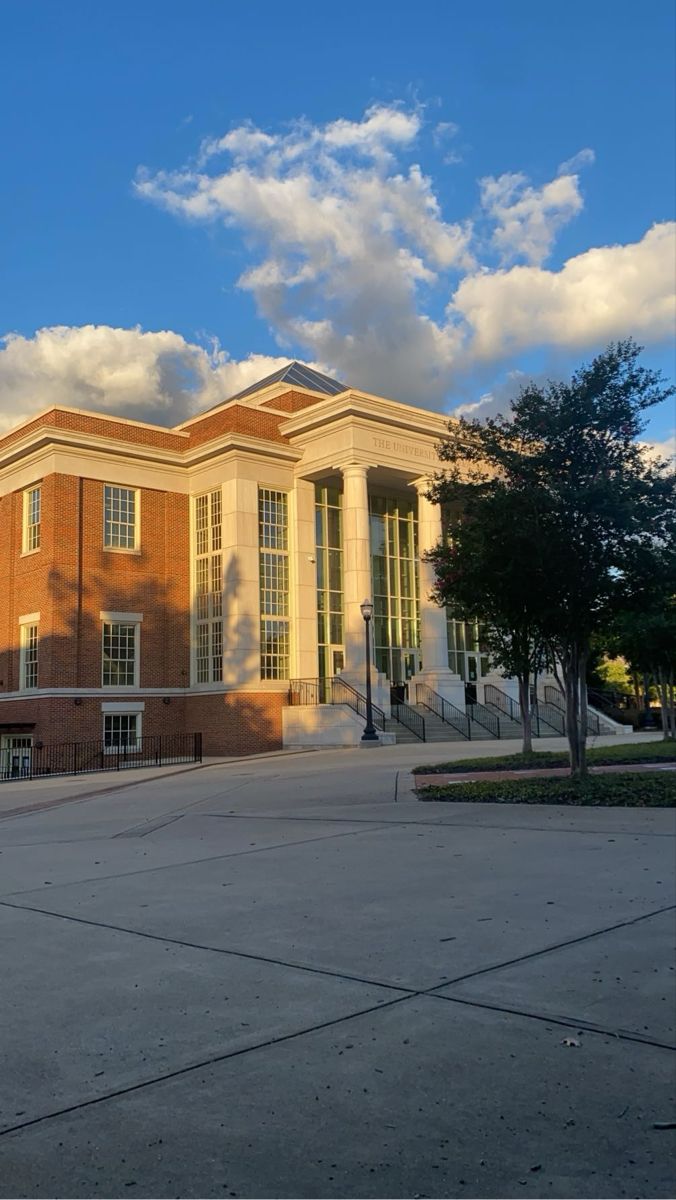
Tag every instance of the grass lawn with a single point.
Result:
(599, 756)
(632, 790)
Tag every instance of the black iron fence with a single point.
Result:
(80, 758)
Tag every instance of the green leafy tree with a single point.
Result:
(566, 464)
(486, 570)
(645, 636)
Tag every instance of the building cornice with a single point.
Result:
(361, 404)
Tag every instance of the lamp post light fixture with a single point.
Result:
(369, 734)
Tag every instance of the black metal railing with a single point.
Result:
(409, 718)
(555, 697)
(551, 715)
(310, 691)
(444, 709)
(82, 758)
(344, 693)
(495, 698)
(333, 691)
(484, 717)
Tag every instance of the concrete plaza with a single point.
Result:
(285, 976)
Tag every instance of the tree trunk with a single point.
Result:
(524, 704)
(582, 726)
(576, 743)
(663, 689)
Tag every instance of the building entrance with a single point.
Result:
(15, 756)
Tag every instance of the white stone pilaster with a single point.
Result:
(241, 596)
(433, 633)
(303, 580)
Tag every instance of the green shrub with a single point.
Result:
(645, 789)
(597, 756)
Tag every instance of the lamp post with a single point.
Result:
(369, 734)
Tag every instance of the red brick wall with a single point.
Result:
(71, 579)
(81, 422)
(237, 722)
(237, 418)
(231, 723)
(60, 719)
(292, 402)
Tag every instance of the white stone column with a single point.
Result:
(433, 634)
(357, 582)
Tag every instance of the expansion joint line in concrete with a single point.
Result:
(583, 937)
(195, 862)
(586, 1026)
(228, 951)
(406, 821)
(200, 1066)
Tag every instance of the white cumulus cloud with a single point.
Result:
(356, 266)
(156, 377)
(605, 293)
(527, 219)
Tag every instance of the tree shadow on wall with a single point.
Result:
(70, 656)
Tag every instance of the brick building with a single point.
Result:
(159, 580)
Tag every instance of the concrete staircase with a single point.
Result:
(436, 730)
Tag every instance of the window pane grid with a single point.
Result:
(120, 729)
(274, 583)
(29, 656)
(119, 520)
(33, 515)
(394, 550)
(208, 588)
(119, 654)
(329, 554)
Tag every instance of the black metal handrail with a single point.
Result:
(484, 717)
(556, 699)
(310, 691)
(407, 716)
(551, 715)
(344, 693)
(504, 703)
(83, 758)
(333, 691)
(444, 709)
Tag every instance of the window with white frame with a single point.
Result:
(121, 729)
(120, 653)
(120, 518)
(273, 525)
(32, 505)
(28, 644)
(208, 588)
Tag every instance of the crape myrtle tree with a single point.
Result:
(582, 507)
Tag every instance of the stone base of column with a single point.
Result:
(380, 687)
(445, 683)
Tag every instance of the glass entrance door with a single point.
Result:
(15, 756)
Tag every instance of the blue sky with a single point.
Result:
(359, 235)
